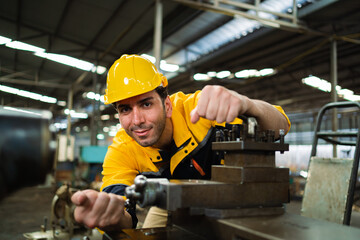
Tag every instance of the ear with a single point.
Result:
(168, 107)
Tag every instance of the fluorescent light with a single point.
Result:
(168, 67)
(266, 71)
(63, 59)
(211, 74)
(354, 98)
(96, 96)
(150, 58)
(4, 40)
(59, 125)
(9, 89)
(99, 69)
(24, 46)
(223, 74)
(201, 77)
(325, 86)
(74, 114)
(100, 136)
(27, 94)
(70, 61)
(23, 111)
(61, 103)
(106, 129)
(105, 117)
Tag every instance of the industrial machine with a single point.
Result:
(62, 225)
(26, 150)
(243, 200)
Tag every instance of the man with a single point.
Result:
(161, 135)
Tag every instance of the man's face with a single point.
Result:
(143, 117)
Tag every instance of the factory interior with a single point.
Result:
(55, 128)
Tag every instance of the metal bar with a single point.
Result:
(33, 83)
(256, 8)
(158, 32)
(294, 12)
(93, 120)
(334, 81)
(248, 145)
(337, 134)
(68, 129)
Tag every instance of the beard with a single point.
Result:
(155, 131)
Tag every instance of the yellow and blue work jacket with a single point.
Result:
(189, 157)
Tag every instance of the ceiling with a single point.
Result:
(101, 31)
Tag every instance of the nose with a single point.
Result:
(138, 116)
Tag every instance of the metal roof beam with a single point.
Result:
(227, 7)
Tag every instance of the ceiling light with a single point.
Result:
(22, 111)
(61, 103)
(74, 114)
(70, 61)
(325, 86)
(100, 136)
(168, 67)
(105, 117)
(24, 46)
(27, 94)
(211, 74)
(4, 40)
(247, 73)
(223, 74)
(150, 58)
(201, 77)
(266, 71)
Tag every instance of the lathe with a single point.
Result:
(245, 198)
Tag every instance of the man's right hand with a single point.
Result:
(99, 209)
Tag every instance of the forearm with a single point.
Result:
(267, 116)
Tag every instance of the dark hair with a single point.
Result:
(163, 92)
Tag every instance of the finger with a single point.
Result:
(194, 115)
(79, 198)
(212, 108)
(202, 103)
(114, 211)
(99, 206)
(223, 111)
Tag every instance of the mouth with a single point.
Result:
(141, 132)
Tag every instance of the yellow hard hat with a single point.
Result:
(132, 75)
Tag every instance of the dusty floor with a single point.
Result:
(24, 211)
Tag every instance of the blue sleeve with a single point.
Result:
(119, 189)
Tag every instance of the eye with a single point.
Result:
(147, 104)
(124, 109)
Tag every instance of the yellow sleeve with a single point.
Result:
(119, 167)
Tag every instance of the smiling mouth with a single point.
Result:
(142, 132)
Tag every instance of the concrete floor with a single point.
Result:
(24, 211)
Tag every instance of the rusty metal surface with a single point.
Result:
(286, 226)
(249, 145)
(239, 175)
(327, 188)
(281, 227)
(249, 159)
(168, 233)
(243, 212)
(210, 194)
